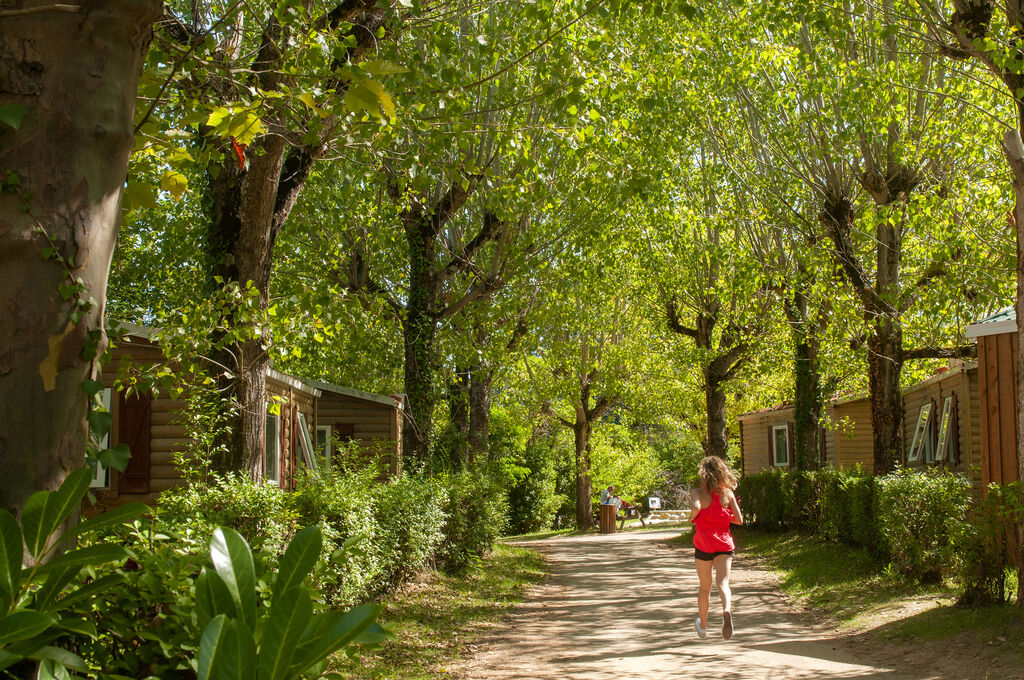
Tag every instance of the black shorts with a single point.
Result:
(709, 556)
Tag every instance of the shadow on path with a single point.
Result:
(623, 606)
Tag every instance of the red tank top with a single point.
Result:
(712, 524)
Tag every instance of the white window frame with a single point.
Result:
(101, 476)
(276, 419)
(945, 429)
(326, 452)
(920, 433)
(305, 443)
(775, 445)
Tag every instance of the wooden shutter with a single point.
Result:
(282, 453)
(822, 448)
(771, 446)
(953, 447)
(791, 444)
(133, 428)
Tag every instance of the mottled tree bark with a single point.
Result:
(75, 73)
(581, 441)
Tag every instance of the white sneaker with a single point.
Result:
(701, 631)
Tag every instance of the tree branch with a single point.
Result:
(489, 231)
(673, 320)
(961, 352)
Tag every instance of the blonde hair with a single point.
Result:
(715, 474)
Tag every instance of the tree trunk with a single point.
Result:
(241, 248)
(581, 439)
(716, 441)
(75, 75)
(458, 413)
(1014, 150)
(480, 409)
(419, 329)
(884, 366)
(806, 403)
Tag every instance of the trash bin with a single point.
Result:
(608, 519)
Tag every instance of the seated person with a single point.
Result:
(608, 497)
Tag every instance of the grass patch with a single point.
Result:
(539, 535)
(434, 618)
(846, 583)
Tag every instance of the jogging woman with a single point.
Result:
(713, 509)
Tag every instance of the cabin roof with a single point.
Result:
(770, 409)
(393, 402)
(1003, 321)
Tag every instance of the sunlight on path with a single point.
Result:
(623, 606)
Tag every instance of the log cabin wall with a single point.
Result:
(854, 444)
(997, 361)
(151, 425)
(756, 432)
(373, 421)
(960, 386)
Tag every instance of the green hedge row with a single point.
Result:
(915, 520)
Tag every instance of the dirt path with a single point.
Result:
(636, 621)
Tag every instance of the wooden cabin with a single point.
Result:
(345, 414)
(942, 427)
(996, 336)
(151, 426)
(942, 422)
(766, 440)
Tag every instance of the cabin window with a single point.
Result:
(272, 447)
(780, 446)
(943, 449)
(922, 442)
(305, 443)
(101, 475)
(323, 441)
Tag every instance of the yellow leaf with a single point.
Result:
(307, 99)
(383, 97)
(48, 367)
(175, 183)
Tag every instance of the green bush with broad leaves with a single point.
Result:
(284, 639)
(40, 584)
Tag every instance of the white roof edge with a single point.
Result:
(292, 382)
(977, 330)
(352, 392)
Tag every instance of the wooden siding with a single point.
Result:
(168, 436)
(853, 442)
(377, 427)
(997, 361)
(755, 438)
(962, 385)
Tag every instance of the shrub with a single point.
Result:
(533, 502)
(983, 568)
(475, 514)
(411, 519)
(921, 518)
(260, 512)
(764, 499)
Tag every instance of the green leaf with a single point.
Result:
(232, 558)
(112, 517)
(116, 457)
(213, 598)
(99, 423)
(11, 552)
(22, 625)
(386, 103)
(379, 67)
(100, 586)
(93, 555)
(46, 510)
(289, 616)
(139, 195)
(298, 560)
(330, 631)
(227, 651)
(51, 670)
(78, 626)
(12, 114)
(54, 584)
(62, 657)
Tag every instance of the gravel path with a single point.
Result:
(623, 605)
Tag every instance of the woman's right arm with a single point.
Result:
(734, 505)
(694, 503)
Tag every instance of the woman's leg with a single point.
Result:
(704, 590)
(723, 564)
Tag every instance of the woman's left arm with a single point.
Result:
(734, 505)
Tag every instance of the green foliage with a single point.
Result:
(282, 640)
(261, 512)
(475, 516)
(39, 569)
(622, 457)
(921, 520)
(915, 519)
(533, 501)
